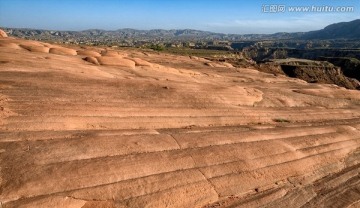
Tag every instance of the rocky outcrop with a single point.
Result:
(310, 71)
(350, 66)
(344, 72)
(319, 74)
(260, 54)
(3, 34)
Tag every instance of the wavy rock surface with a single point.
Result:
(133, 129)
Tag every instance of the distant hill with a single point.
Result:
(342, 30)
(155, 34)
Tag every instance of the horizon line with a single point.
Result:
(220, 33)
(60, 30)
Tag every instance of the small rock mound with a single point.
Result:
(227, 65)
(140, 62)
(194, 57)
(92, 60)
(197, 58)
(88, 53)
(220, 65)
(10, 45)
(3, 34)
(31, 48)
(116, 61)
(109, 53)
(63, 51)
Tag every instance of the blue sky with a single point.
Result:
(226, 16)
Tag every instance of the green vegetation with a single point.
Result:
(196, 52)
(157, 47)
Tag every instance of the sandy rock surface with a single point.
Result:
(105, 128)
(3, 34)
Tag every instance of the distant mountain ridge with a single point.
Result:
(174, 34)
(343, 30)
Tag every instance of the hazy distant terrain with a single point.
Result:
(346, 30)
(159, 34)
